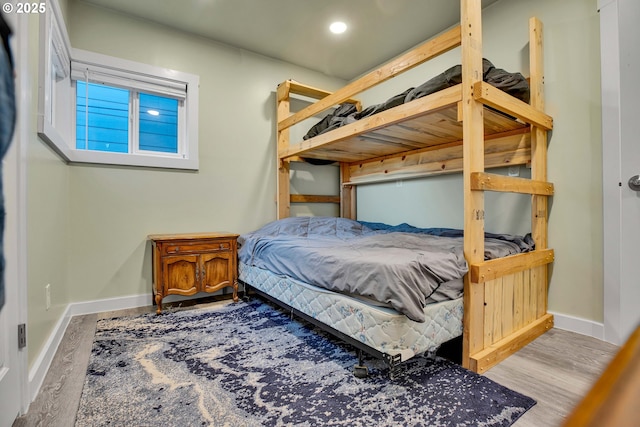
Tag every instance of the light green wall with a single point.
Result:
(113, 209)
(47, 219)
(88, 224)
(572, 91)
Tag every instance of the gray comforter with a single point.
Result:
(401, 269)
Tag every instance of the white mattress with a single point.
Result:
(381, 328)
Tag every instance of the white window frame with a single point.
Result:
(61, 65)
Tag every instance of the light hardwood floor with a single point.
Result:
(557, 369)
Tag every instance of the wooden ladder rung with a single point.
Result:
(501, 101)
(481, 181)
(492, 269)
(312, 198)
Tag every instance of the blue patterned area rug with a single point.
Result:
(249, 364)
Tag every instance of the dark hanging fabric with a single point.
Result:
(7, 124)
(394, 101)
(512, 83)
(331, 121)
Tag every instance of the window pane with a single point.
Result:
(158, 123)
(106, 125)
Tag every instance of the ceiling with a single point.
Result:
(296, 31)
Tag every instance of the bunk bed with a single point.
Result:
(468, 128)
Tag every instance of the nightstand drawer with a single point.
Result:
(196, 247)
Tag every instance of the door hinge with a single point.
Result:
(22, 335)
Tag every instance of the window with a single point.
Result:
(102, 118)
(158, 129)
(103, 114)
(99, 109)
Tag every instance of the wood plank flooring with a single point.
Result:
(557, 370)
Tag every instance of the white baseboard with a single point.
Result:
(110, 304)
(41, 365)
(578, 325)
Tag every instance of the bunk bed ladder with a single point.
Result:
(505, 300)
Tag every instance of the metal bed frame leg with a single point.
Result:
(360, 370)
(393, 362)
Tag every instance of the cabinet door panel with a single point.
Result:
(181, 275)
(217, 272)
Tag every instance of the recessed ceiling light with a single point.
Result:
(338, 27)
(153, 112)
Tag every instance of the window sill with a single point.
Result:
(49, 135)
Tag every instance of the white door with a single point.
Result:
(13, 393)
(621, 162)
(629, 13)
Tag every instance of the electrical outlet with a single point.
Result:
(47, 290)
(399, 183)
(514, 170)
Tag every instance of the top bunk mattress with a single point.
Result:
(398, 266)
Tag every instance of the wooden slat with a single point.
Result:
(492, 269)
(529, 313)
(473, 320)
(493, 182)
(497, 311)
(483, 360)
(347, 194)
(430, 49)
(493, 160)
(500, 100)
(473, 161)
(283, 205)
(282, 92)
(312, 92)
(536, 62)
(312, 198)
(511, 149)
(539, 204)
(541, 280)
(473, 129)
(507, 321)
(518, 300)
(490, 310)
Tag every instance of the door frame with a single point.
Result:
(614, 184)
(24, 130)
(16, 204)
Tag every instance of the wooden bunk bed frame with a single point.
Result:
(505, 300)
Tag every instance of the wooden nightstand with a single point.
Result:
(185, 264)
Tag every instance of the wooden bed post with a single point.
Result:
(539, 203)
(283, 197)
(347, 193)
(473, 161)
